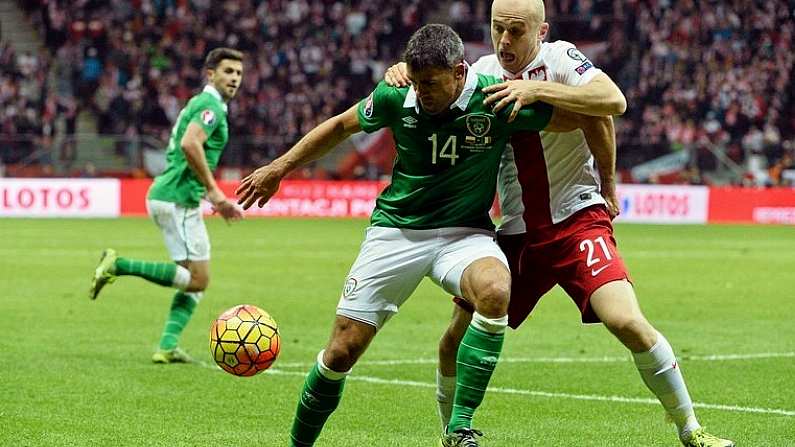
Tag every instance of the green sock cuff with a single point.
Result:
(482, 338)
(316, 382)
(161, 273)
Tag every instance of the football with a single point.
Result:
(244, 340)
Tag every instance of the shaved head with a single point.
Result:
(529, 10)
(517, 29)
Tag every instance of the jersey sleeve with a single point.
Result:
(380, 108)
(208, 116)
(569, 66)
(535, 116)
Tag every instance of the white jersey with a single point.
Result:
(546, 177)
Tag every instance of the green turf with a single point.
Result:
(75, 372)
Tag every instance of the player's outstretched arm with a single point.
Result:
(600, 134)
(600, 97)
(192, 145)
(263, 183)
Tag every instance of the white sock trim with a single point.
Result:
(657, 355)
(327, 372)
(181, 278)
(490, 325)
(445, 395)
(195, 296)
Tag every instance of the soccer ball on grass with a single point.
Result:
(244, 340)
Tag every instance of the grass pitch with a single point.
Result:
(75, 372)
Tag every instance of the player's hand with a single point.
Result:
(397, 76)
(519, 92)
(610, 196)
(259, 186)
(228, 210)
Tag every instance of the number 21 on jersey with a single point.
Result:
(448, 149)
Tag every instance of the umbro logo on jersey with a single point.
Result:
(410, 122)
(595, 272)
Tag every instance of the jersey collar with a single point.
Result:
(214, 93)
(470, 85)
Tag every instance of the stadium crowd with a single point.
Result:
(134, 62)
(713, 78)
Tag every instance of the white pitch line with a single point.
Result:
(513, 391)
(606, 359)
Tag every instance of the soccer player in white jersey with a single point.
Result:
(556, 225)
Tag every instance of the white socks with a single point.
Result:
(327, 372)
(445, 392)
(661, 374)
(490, 325)
(181, 278)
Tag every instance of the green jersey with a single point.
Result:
(445, 173)
(178, 183)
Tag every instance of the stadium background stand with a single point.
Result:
(710, 81)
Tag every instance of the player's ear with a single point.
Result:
(543, 30)
(460, 70)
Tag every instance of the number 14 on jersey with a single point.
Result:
(448, 149)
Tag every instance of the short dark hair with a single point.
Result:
(434, 46)
(215, 57)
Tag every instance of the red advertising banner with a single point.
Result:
(752, 205)
(314, 198)
(295, 198)
(669, 204)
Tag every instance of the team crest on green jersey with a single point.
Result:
(478, 125)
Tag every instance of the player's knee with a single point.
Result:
(492, 297)
(634, 332)
(340, 357)
(198, 283)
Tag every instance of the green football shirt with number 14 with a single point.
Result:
(178, 183)
(445, 173)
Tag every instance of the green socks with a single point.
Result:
(162, 273)
(475, 363)
(182, 307)
(319, 399)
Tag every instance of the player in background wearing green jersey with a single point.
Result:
(197, 141)
(432, 220)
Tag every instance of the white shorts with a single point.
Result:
(183, 230)
(393, 261)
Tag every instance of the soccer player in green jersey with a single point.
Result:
(432, 220)
(197, 141)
